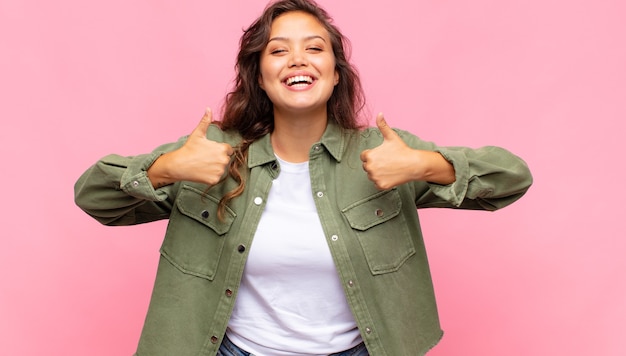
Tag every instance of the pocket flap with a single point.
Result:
(373, 210)
(203, 208)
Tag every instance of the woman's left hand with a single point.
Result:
(394, 163)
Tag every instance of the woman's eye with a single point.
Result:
(315, 49)
(277, 51)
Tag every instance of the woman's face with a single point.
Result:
(298, 65)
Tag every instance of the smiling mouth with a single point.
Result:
(299, 80)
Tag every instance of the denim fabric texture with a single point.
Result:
(227, 348)
(374, 236)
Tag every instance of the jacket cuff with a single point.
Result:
(135, 180)
(455, 192)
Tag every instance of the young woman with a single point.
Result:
(293, 229)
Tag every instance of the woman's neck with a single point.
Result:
(294, 134)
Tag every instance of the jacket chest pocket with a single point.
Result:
(195, 236)
(381, 230)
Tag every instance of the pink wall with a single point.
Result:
(546, 79)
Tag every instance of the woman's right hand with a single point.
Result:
(198, 160)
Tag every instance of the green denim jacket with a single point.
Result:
(374, 236)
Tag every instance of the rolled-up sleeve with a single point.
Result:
(487, 178)
(116, 190)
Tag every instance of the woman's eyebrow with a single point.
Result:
(286, 39)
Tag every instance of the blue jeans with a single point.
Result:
(229, 349)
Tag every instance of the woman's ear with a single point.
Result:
(261, 82)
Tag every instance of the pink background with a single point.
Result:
(546, 79)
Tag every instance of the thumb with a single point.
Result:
(203, 126)
(387, 132)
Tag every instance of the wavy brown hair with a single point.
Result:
(247, 108)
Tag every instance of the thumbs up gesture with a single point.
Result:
(198, 160)
(394, 162)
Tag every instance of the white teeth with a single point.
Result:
(299, 79)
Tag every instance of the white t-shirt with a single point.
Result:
(291, 301)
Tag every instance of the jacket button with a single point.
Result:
(379, 212)
(214, 339)
(258, 200)
(205, 214)
(229, 293)
(241, 248)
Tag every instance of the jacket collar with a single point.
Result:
(334, 140)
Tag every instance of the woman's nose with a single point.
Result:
(298, 58)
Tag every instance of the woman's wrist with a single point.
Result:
(158, 173)
(436, 168)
